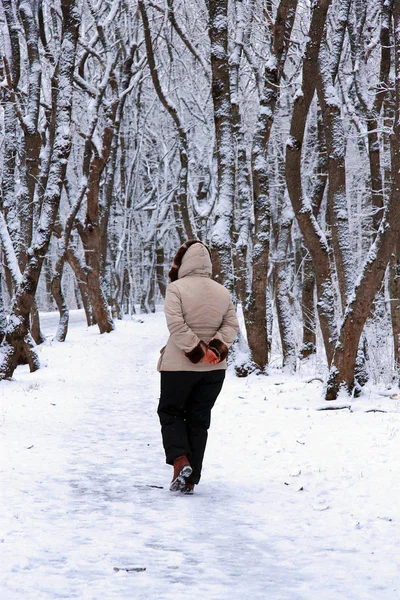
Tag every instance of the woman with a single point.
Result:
(203, 325)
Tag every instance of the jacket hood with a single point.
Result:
(192, 258)
(196, 261)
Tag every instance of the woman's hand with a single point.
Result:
(210, 357)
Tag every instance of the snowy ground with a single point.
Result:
(296, 503)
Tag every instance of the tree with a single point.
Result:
(17, 338)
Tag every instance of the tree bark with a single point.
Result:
(91, 232)
(336, 150)
(308, 307)
(314, 238)
(394, 291)
(79, 270)
(221, 236)
(282, 292)
(242, 209)
(256, 307)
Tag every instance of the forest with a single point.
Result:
(268, 129)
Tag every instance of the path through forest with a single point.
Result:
(295, 503)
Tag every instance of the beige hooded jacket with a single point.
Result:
(199, 314)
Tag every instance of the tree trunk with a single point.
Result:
(255, 310)
(3, 316)
(160, 271)
(36, 332)
(91, 232)
(336, 150)
(32, 138)
(148, 279)
(81, 277)
(282, 294)
(221, 236)
(127, 299)
(308, 308)
(394, 292)
(314, 238)
(243, 199)
(10, 143)
(59, 298)
(309, 344)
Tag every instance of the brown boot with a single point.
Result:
(188, 488)
(182, 470)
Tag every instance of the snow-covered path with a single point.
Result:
(295, 503)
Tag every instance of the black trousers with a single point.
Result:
(186, 400)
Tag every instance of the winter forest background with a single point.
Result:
(269, 129)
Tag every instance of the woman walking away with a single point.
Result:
(203, 325)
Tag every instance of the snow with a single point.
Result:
(296, 502)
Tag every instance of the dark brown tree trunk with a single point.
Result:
(160, 271)
(394, 291)
(36, 332)
(255, 312)
(309, 344)
(91, 232)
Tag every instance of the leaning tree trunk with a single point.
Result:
(17, 337)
